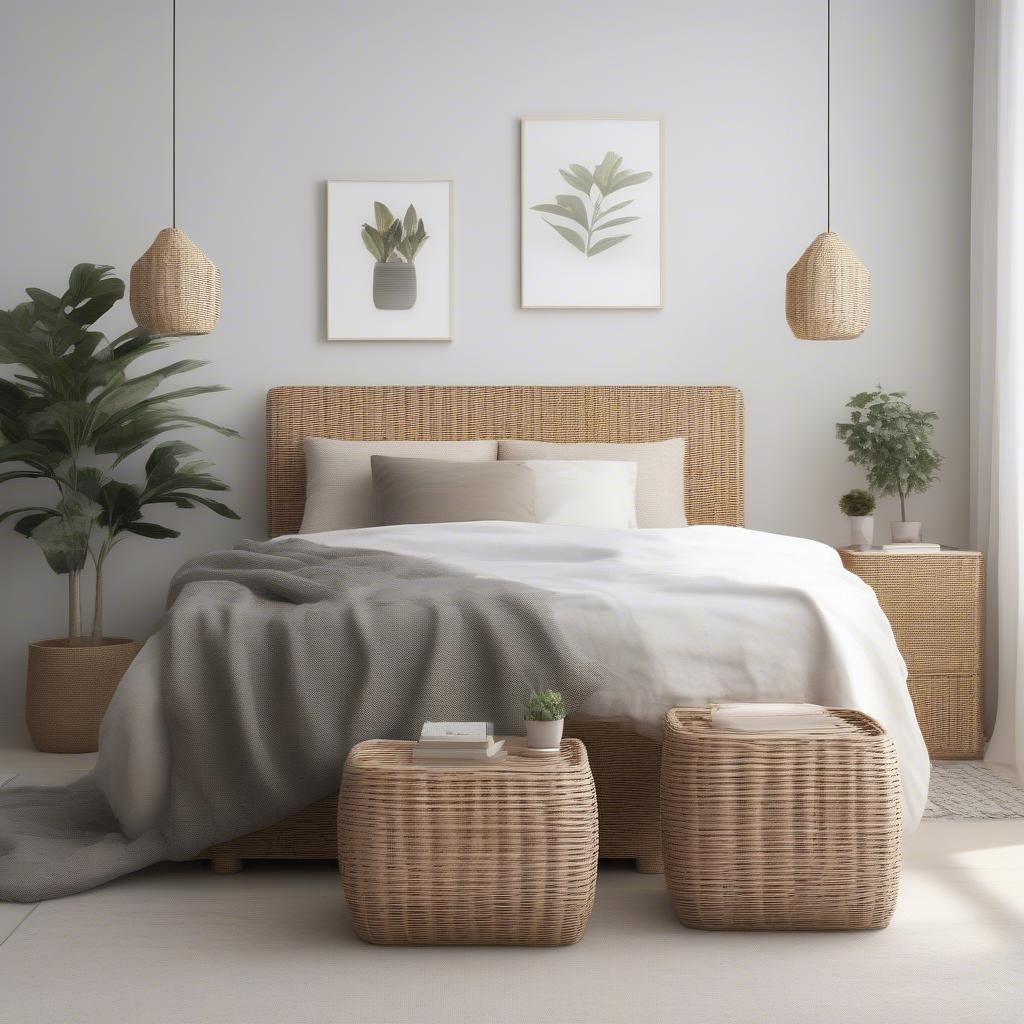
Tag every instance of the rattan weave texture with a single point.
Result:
(175, 287)
(936, 606)
(710, 418)
(502, 854)
(780, 832)
(828, 292)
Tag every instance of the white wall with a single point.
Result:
(274, 98)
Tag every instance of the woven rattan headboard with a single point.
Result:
(710, 418)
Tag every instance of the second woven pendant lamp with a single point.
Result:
(828, 290)
(174, 285)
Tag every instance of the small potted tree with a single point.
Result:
(393, 244)
(69, 420)
(859, 506)
(892, 441)
(545, 717)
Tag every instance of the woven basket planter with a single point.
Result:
(502, 854)
(68, 691)
(175, 287)
(766, 832)
(828, 292)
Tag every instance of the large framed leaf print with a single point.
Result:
(592, 235)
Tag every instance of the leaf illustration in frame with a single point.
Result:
(584, 185)
(630, 179)
(612, 209)
(383, 216)
(569, 235)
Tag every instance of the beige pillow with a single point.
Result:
(339, 484)
(432, 491)
(659, 482)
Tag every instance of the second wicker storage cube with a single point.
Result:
(780, 831)
(501, 854)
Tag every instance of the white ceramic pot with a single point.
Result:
(544, 735)
(906, 533)
(862, 530)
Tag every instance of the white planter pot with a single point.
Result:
(906, 533)
(862, 530)
(544, 735)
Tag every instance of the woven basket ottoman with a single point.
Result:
(777, 831)
(502, 854)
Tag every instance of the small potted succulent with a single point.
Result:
(893, 442)
(545, 717)
(859, 506)
(394, 243)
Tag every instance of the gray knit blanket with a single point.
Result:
(276, 658)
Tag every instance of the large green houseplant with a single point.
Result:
(892, 441)
(70, 414)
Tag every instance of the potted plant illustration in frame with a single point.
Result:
(393, 244)
(69, 418)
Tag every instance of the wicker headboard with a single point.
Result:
(710, 418)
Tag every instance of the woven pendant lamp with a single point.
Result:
(828, 290)
(174, 285)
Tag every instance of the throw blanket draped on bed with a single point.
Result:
(274, 659)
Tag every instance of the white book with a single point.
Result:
(447, 755)
(908, 547)
(457, 730)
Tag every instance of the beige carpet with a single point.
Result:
(179, 945)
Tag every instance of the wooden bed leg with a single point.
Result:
(223, 864)
(650, 864)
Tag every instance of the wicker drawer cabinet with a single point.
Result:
(936, 604)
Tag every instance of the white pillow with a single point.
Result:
(584, 493)
(339, 482)
(659, 481)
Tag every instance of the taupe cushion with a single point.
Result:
(659, 481)
(432, 491)
(339, 486)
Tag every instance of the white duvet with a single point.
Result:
(725, 614)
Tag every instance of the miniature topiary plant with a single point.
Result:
(857, 503)
(545, 706)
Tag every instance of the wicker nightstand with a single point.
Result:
(936, 604)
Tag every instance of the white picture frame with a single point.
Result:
(566, 261)
(367, 302)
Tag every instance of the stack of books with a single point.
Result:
(905, 547)
(458, 743)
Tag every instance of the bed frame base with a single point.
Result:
(627, 776)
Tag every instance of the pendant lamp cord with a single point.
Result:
(174, 113)
(828, 115)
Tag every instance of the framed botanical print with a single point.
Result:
(389, 260)
(592, 213)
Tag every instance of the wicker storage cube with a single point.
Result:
(500, 854)
(780, 831)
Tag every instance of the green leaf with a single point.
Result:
(383, 216)
(582, 184)
(577, 211)
(44, 299)
(409, 224)
(26, 525)
(569, 235)
(612, 209)
(580, 172)
(605, 243)
(373, 241)
(629, 180)
(152, 530)
(615, 223)
(604, 171)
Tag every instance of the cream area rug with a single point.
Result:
(969, 789)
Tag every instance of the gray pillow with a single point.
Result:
(433, 491)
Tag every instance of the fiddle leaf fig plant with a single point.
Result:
(589, 212)
(390, 240)
(74, 414)
(892, 441)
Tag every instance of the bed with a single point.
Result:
(626, 766)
